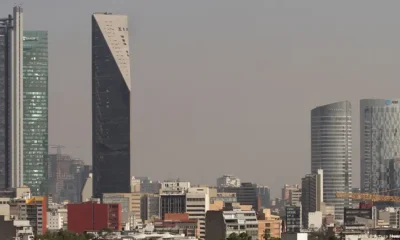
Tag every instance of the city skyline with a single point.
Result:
(190, 107)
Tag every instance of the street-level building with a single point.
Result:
(221, 224)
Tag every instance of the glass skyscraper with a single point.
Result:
(380, 145)
(36, 110)
(111, 87)
(331, 151)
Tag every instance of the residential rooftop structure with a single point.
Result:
(178, 223)
(173, 197)
(228, 181)
(33, 209)
(221, 224)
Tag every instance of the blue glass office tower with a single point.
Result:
(35, 111)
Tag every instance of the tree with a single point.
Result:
(63, 235)
(266, 235)
(241, 236)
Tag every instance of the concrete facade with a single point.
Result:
(221, 224)
(197, 204)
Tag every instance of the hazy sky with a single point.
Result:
(222, 86)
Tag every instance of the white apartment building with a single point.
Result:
(228, 181)
(54, 221)
(197, 205)
(174, 186)
(221, 224)
(295, 197)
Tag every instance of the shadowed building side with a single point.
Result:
(110, 104)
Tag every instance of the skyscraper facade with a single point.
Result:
(379, 145)
(11, 100)
(311, 194)
(331, 151)
(111, 86)
(36, 111)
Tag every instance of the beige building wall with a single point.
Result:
(5, 208)
(269, 223)
(213, 192)
(218, 205)
(135, 203)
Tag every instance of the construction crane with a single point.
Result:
(374, 197)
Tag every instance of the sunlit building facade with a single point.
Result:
(36, 111)
(331, 151)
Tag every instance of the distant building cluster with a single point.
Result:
(42, 192)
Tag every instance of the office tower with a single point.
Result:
(197, 204)
(111, 86)
(35, 111)
(379, 145)
(247, 194)
(293, 219)
(11, 100)
(311, 194)
(173, 197)
(264, 194)
(331, 145)
(149, 186)
(228, 181)
(149, 206)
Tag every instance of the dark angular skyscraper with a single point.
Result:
(111, 86)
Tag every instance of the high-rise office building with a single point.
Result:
(312, 192)
(197, 205)
(36, 111)
(379, 145)
(331, 144)
(111, 86)
(11, 100)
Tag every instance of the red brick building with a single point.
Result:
(92, 216)
(178, 223)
